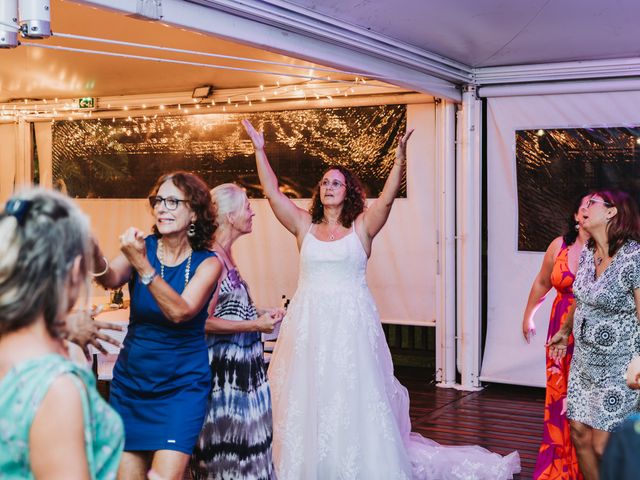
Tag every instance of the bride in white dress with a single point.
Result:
(338, 411)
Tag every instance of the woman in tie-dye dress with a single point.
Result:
(557, 455)
(235, 441)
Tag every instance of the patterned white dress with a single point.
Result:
(338, 410)
(607, 337)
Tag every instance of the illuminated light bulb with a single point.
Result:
(186, 110)
(263, 99)
(540, 133)
(275, 92)
(197, 107)
(179, 107)
(329, 97)
(229, 100)
(213, 102)
(129, 118)
(317, 97)
(250, 103)
(195, 100)
(236, 105)
(261, 88)
(144, 106)
(364, 82)
(224, 108)
(162, 107)
(55, 100)
(125, 107)
(113, 119)
(277, 83)
(638, 140)
(246, 98)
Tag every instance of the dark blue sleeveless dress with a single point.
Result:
(161, 381)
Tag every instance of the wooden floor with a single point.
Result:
(500, 418)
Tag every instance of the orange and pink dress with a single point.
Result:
(557, 456)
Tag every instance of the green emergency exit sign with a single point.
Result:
(86, 102)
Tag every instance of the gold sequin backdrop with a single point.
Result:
(122, 157)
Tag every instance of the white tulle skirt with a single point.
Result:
(338, 410)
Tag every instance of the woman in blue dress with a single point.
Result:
(235, 442)
(161, 380)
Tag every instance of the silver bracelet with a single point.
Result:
(106, 268)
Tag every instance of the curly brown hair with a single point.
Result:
(354, 200)
(625, 225)
(197, 194)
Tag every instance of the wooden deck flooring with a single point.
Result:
(500, 418)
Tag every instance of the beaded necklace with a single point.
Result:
(187, 270)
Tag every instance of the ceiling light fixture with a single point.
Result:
(202, 92)
(9, 24)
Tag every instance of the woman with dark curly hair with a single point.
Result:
(161, 380)
(605, 325)
(338, 410)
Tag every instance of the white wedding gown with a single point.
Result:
(338, 411)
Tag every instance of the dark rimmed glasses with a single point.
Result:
(170, 203)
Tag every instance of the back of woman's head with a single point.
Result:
(41, 234)
(571, 233)
(227, 198)
(625, 224)
(197, 194)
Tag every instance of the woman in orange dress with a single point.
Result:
(557, 456)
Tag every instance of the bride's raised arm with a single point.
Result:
(376, 215)
(294, 219)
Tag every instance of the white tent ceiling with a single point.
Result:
(424, 46)
(488, 33)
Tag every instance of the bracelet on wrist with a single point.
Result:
(106, 268)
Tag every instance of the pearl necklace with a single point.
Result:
(187, 270)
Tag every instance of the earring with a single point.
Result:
(577, 226)
(191, 232)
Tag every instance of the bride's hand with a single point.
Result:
(257, 138)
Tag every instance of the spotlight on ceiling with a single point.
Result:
(9, 24)
(202, 92)
(35, 18)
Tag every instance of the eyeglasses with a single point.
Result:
(591, 201)
(170, 203)
(333, 184)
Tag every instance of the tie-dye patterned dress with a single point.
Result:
(557, 456)
(235, 442)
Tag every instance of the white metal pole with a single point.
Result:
(468, 281)
(446, 284)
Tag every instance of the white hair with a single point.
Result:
(227, 198)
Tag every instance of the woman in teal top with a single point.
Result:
(53, 423)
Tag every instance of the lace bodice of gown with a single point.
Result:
(336, 265)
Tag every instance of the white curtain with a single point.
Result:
(8, 132)
(507, 358)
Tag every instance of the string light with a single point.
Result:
(299, 92)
